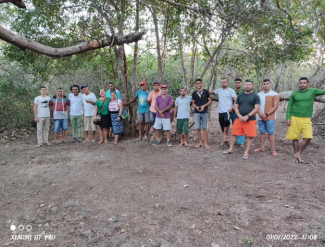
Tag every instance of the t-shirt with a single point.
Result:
(225, 99)
(60, 110)
(89, 108)
(113, 105)
(301, 103)
(99, 103)
(183, 106)
(201, 99)
(143, 104)
(247, 103)
(267, 103)
(108, 94)
(43, 109)
(153, 96)
(163, 103)
(76, 105)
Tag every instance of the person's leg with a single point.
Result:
(100, 135)
(140, 129)
(74, 126)
(181, 137)
(79, 122)
(147, 124)
(40, 124)
(86, 136)
(86, 127)
(64, 128)
(250, 141)
(227, 119)
(179, 130)
(157, 126)
(168, 135)
(116, 139)
(305, 142)
(198, 126)
(205, 128)
(186, 130)
(46, 128)
(232, 145)
(158, 131)
(206, 139)
(93, 136)
(56, 130)
(105, 130)
(250, 130)
(167, 127)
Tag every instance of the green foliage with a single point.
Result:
(249, 240)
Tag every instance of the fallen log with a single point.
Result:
(283, 96)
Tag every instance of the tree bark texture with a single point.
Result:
(18, 3)
(33, 45)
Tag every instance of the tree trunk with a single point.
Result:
(155, 20)
(180, 47)
(18, 3)
(277, 80)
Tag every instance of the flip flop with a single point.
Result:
(245, 157)
(258, 150)
(181, 144)
(38, 146)
(145, 137)
(274, 154)
(206, 147)
(139, 138)
(198, 145)
(303, 162)
(186, 144)
(48, 144)
(295, 160)
(242, 145)
(227, 152)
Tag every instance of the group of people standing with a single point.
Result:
(241, 106)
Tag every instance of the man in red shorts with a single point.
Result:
(246, 106)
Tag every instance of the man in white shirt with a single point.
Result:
(42, 117)
(76, 111)
(227, 97)
(266, 116)
(89, 100)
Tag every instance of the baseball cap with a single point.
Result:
(157, 82)
(164, 86)
(143, 83)
(83, 86)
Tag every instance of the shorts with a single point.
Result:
(144, 117)
(89, 124)
(182, 126)
(201, 121)
(239, 128)
(60, 124)
(162, 122)
(266, 126)
(152, 117)
(298, 125)
(224, 120)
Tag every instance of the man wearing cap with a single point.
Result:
(164, 103)
(152, 102)
(143, 109)
(76, 111)
(227, 97)
(201, 100)
(246, 106)
(112, 88)
(89, 100)
(182, 110)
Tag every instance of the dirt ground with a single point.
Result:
(134, 194)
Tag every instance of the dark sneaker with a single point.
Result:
(79, 139)
(155, 143)
(74, 140)
(169, 144)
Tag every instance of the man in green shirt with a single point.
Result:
(299, 112)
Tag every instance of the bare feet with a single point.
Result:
(106, 141)
(274, 153)
(93, 140)
(181, 144)
(100, 142)
(199, 145)
(48, 144)
(38, 146)
(258, 150)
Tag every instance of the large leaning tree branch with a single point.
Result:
(18, 3)
(33, 45)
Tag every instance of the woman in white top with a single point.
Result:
(115, 108)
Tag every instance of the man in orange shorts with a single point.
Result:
(246, 106)
(299, 112)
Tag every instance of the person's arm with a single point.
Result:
(167, 108)
(275, 106)
(212, 92)
(96, 109)
(175, 112)
(319, 92)
(120, 107)
(289, 109)
(205, 105)
(149, 99)
(234, 100)
(35, 112)
(132, 100)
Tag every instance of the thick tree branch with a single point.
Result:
(199, 11)
(33, 45)
(18, 3)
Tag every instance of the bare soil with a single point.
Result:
(134, 194)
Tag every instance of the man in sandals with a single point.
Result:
(42, 117)
(201, 100)
(299, 112)
(246, 106)
(143, 109)
(227, 97)
(266, 116)
(182, 110)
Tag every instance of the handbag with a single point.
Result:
(124, 114)
(99, 116)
